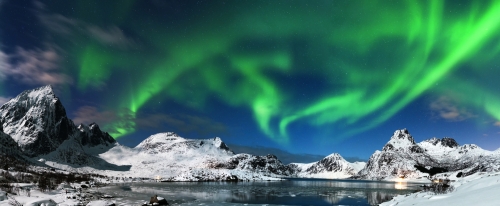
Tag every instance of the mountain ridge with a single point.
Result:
(36, 125)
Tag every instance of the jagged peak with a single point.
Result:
(444, 142)
(94, 126)
(34, 95)
(220, 144)
(402, 140)
(469, 146)
(44, 91)
(46, 88)
(402, 135)
(82, 128)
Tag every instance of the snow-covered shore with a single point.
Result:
(477, 189)
(64, 195)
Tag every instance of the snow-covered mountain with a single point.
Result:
(34, 126)
(332, 166)
(402, 157)
(36, 120)
(173, 158)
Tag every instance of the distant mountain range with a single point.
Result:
(34, 127)
(284, 156)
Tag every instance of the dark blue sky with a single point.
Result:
(311, 77)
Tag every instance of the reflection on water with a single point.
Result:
(401, 185)
(291, 192)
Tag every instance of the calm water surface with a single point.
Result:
(290, 192)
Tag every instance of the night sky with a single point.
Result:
(312, 77)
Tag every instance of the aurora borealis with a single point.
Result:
(304, 76)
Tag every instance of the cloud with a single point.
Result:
(58, 23)
(110, 36)
(497, 124)
(33, 67)
(4, 65)
(445, 108)
(3, 100)
(88, 114)
(125, 118)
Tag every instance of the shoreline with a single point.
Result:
(478, 189)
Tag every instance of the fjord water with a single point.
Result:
(289, 192)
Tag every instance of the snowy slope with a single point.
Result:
(332, 166)
(477, 189)
(173, 158)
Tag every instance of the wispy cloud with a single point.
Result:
(110, 35)
(33, 67)
(88, 114)
(497, 124)
(445, 108)
(4, 65)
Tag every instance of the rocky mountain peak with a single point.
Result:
(444, 142)
(36, 120)
(334, 156)
(449, 142)
(402, 140)
(92, 136)
(402, 135)
(220, 144)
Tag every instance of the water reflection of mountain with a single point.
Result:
(294, 192)
(336, 197)
(377, 197)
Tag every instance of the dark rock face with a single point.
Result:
(92, 136)
(446, 141)
(268, 164)
(449, 142)
(8, 146)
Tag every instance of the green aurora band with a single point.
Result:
(376, 58)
